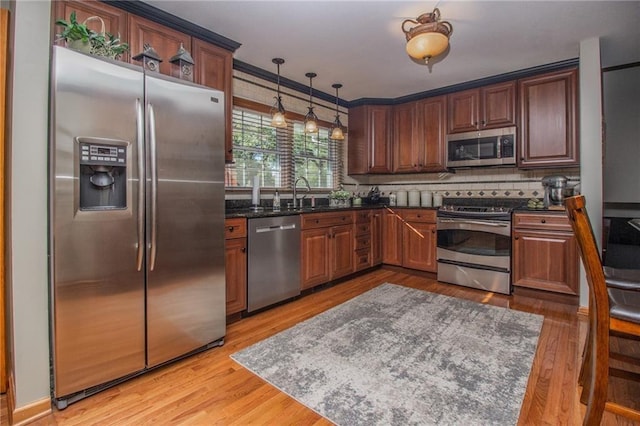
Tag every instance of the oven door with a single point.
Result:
(483, 244)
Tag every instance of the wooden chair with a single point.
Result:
(608, 314)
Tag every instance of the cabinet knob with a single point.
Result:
(516, 238)
(317, 220)
(418, 216)
(231, 229)
(544, 221)
(243, 249)
(230, 150)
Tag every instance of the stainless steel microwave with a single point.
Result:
(494, 147)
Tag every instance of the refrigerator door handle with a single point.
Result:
(154, 186)
(140, 146)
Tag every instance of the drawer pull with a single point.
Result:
(544, 221)
(231, 229)
(317, 220)
(243, 249)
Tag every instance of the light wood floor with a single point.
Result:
(210, 388)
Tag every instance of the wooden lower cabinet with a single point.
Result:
(326, 251)
(409, 239)
(376, 237)
(236, 264)
(391, 237)
(419, 250)
(544, 253)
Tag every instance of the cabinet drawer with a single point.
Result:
(557, 222)
(363, 259)
(363, 241)
(235, 228)
(363, 216)
(419, 216)
(324, 220)
(363, 228)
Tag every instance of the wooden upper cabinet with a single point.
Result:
(115, 20)
(406, 147)
(214, 68)
(369, 148)
(548, 134)
(487, 107)
(164, 40)
(432, 132)
(420, 136)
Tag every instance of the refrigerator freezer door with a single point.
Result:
(97, 292)
(185, 218)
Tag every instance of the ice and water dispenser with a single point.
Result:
(103, 174)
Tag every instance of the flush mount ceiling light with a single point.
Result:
(336, 129)
(310, 120)
(277, 112)
(430, 36)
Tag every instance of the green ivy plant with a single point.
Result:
(96, 43)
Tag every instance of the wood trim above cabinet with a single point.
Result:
(164, 40)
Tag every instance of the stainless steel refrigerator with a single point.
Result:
(136, 222)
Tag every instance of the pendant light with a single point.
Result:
(277, 112)
(310, 120)
(337, 133)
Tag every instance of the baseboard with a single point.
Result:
(28, 413)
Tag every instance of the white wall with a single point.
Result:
(27, 193)
(591, 141)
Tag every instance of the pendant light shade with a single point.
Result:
(337, 131)
(278, 112)
(429, 38)
(311, 119)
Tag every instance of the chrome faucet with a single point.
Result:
(295, 196)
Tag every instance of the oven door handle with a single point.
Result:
(475, 222)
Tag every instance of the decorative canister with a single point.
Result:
(401, 198)
(426, 198)
(437, 199)
(414, 198)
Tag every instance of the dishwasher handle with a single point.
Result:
(275, 228)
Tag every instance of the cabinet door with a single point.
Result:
(369, 148)
(341, 251)
(407, 154)
(315, 257)
(376, 237)
(236, 274)
(214, 68)
(432, 133)
(420, 246)
(548, 120)
(498, 105)
(115, 20)
(164, 40)
(392, 238)
(380, 139)
(545, 260)
(464, 111)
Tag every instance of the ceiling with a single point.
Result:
(361, 44)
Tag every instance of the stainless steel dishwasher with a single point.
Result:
(274, 260)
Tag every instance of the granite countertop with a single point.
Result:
(268, 212)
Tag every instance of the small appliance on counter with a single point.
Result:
(555, 191)
(374, 195)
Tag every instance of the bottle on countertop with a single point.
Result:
(392, 199)
(276, 201)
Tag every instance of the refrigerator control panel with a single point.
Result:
(102, 155)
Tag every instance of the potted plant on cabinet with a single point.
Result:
(80, 37)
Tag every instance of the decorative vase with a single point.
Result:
(336, 202)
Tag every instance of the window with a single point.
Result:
(277, 155)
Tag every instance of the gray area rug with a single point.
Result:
(400, 356)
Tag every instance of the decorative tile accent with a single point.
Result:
(521, 193)
(458, 193)
(507, 193)
(535, 193)
(469, 193)
(494, 193)
(447, 193)
(481, 193)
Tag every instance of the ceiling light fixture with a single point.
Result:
(337, 132)
(311, 120)
(277, 112)
(430, 36)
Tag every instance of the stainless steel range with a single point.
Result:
(474, 247)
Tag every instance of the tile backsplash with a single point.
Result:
(508, 182)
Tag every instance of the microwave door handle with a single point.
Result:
(141, 181)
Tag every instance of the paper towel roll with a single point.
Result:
(255, 194)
